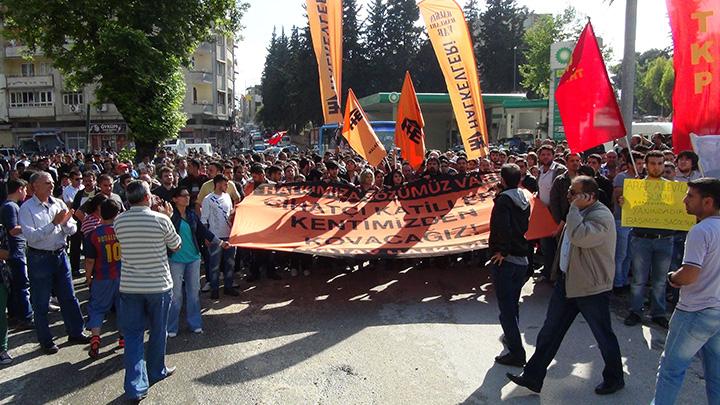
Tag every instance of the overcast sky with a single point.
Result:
(653, 29)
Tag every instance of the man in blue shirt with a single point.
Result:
(19, 306)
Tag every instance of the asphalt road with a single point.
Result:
(373, 336)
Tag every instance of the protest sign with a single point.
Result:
(541, 223)
(424, 218)
(708, 149)
(655, 204)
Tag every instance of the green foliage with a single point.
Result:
(500, 42)
(127, 154)
(655, 80)
(133, 49)
(535, 72)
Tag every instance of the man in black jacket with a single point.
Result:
(508, 225)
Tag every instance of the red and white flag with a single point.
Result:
(276, 138)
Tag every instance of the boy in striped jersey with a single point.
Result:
(102, 272)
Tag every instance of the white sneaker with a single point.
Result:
(198, 331)
(53, 304)
(205, 288)
(172, 334)
(5, 357)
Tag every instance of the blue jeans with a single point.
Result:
(561, 313)
(650, 260)
(622, 256)
(137, 310)
(51, 273)
(190, 274)
(221, 260)
(509, 279)
(690, 333)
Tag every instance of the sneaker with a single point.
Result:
(172, 334)
(198, 331)
(205, 288)
(633, 319)
(94, 347)
(54, 305)
(121, 342)
(5, 357)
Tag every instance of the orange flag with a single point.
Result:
(409, 134)
(542, 224)
(360, 134)
(450, 38)
(325, 19)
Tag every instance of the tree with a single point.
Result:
(354, 62)
(403, 41)
(133, 50)
(538, 39)
(658, 80)
(375, 38)
(500, 39)
(275, 82)
(472, 18)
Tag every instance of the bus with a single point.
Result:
(328, 135)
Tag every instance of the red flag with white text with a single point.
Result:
(696, 56)
(585, 97)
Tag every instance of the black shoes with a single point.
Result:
(606, 389)
(231, 292)
(524, 382)
(662, 321)
(215, 295)
(633, 319)
(52, 349)
(79, 340)
(508, 359)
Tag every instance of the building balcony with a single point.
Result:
(197, 76)
(19, 51)
(199, 109)
(31, 112)
(221, 110)
(25, 82)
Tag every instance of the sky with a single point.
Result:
(653, 30)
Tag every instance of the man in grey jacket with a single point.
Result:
(587, 269)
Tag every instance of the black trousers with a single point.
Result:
(560, 315)
(75, 249)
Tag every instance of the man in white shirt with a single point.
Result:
(70, 191)
(217, 213)
(549, 171)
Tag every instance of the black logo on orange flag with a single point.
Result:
(333, 105)
(355, 117)
(412, 129)
(476, 141)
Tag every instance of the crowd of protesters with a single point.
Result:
(59, 207)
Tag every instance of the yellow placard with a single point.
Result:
(655, 204)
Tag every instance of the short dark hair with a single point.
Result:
(195, 162)
(178, 190)
(332, 165)
(257, 168)
(275, 169)
(105, 177)
(586, 170)
(654, 154)
(14, 185)
(219, 179)
(546, 147)
(93, 203)
(707, 187)
(164, 170)
(109, 209)
(217, 165)
(510, 172)
(589, 185)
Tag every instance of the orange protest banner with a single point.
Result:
(360, 134)
(542, 224)
(424, 218)
(325, 18)
(450, 38)
(409, 134)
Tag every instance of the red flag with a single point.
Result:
(409, 134)
(585, 97)
(696, 56)
(276, 138)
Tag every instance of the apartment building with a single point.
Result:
(39, 111)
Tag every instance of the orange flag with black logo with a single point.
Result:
(325, 19)
(409, 134)
(450, 38)
(360, 134)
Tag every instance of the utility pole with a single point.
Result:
(628, 66)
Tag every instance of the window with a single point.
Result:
(42, 98)
(220, 98)
(221, 69)
(45, 68)
(194, 97)
(73, 98)
(75, 140)
(27, 69)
